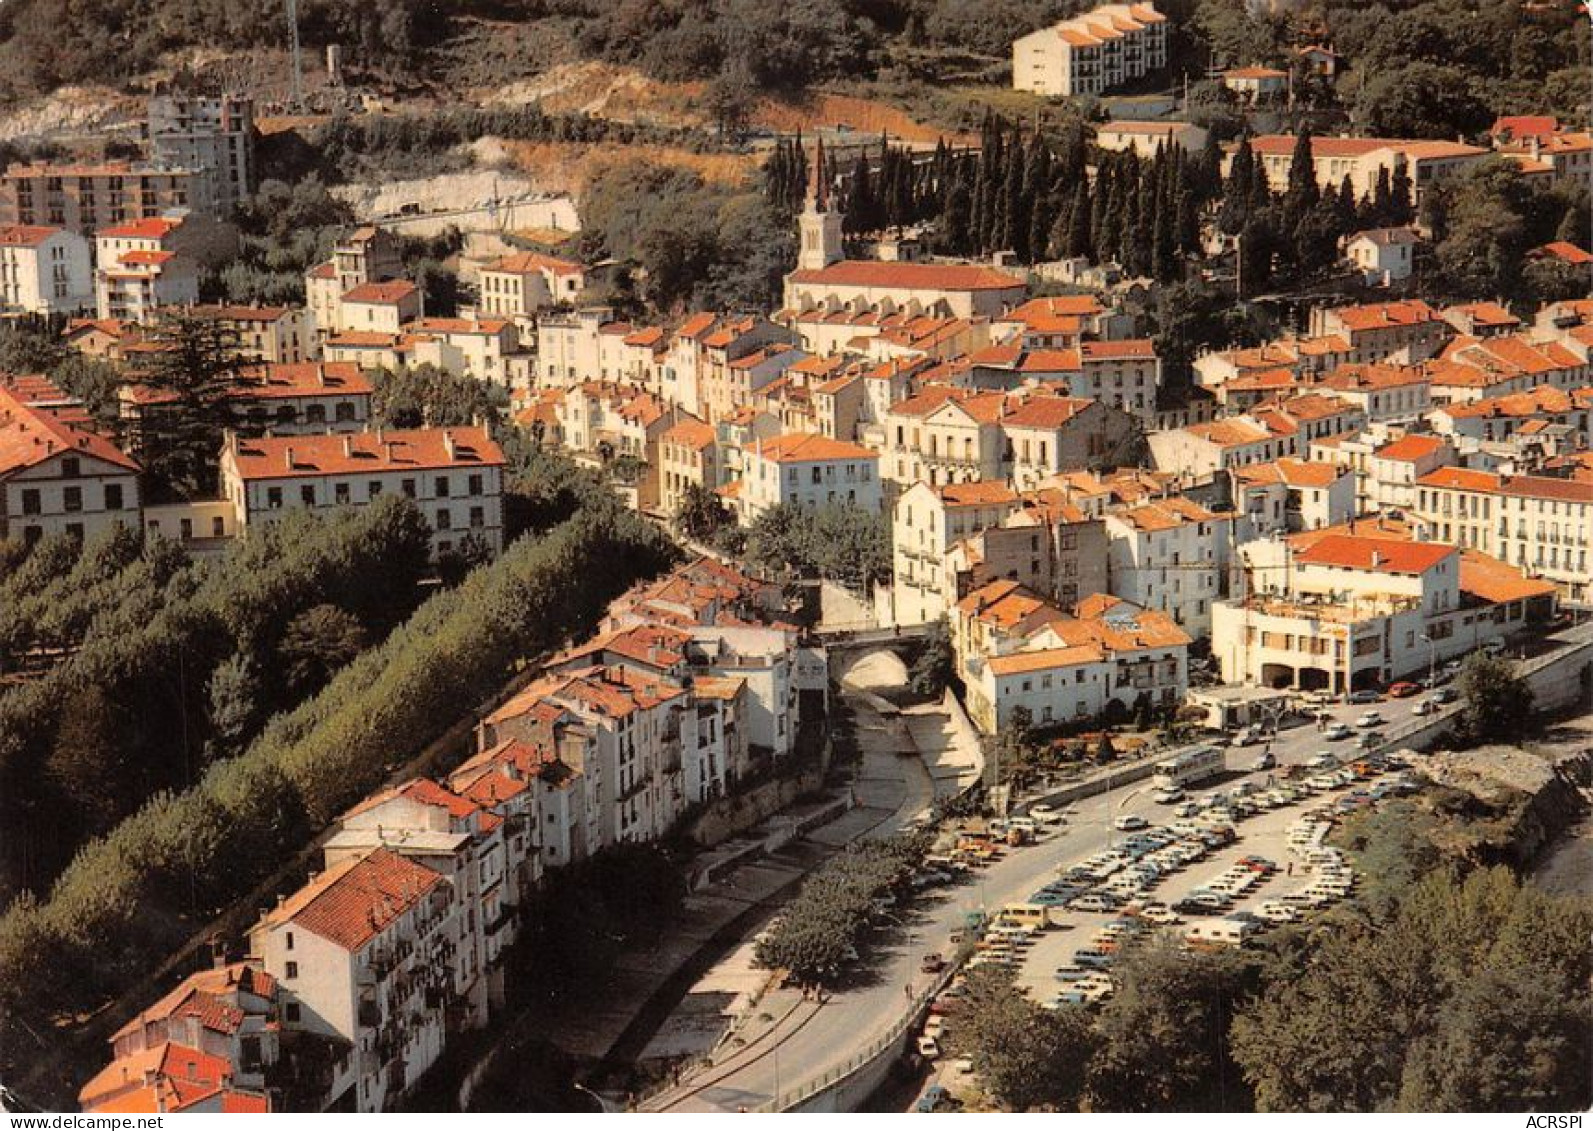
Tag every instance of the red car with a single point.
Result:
(1403, 690)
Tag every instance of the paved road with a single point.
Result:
(813, 1040)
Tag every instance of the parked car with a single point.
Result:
(1369, 720)
(1444, 695)
(1047, 814)
(1403, 690)
(1167, 796)
(1360, 698)
(1425, 707)
(932, 964)
(1186, 810)
(1371, 740)
(1338, 731)
(1128, 822)
(928, 1048)
(1248, 736)
(1267, 761)
(1322, 760)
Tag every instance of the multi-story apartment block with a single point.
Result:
(455, 476)
(1016, 650)
(1171, 555)
(1540, 525)
(1364, 159)
(276, 335)
(310, 398)
(143, 265)
(926, 522)
(1122, 374)
(1388, 478)
(803, 469)
(518, 286)
(1362, 605)
(1290, 495)
(44, 271)
(213, 137)
(1091, 53)
(1382, 392)
(1410, 329)
(86, 198)
(1201, 451)
(688, 456)
(58, 478)
(207, 1046)
(369, 953)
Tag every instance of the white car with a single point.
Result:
(1047, 814)
(928, 1048)
(1129, 822)
(1167, 796)
(1369, 720)
(1338, 731)
(1425, 707)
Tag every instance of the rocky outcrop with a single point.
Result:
(1519, 801)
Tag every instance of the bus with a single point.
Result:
(1193, 765)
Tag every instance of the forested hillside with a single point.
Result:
(1432, 57)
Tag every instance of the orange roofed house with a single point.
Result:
(455, 476)
(1362, 604)
(1015, 649)
(142, 265)
(804, 469)
(210, 1045)
(57, 478)
(367, 953)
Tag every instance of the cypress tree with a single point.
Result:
(1401, 205)
(1078, 233)
(1303, 192)
(1239, 190)
(1382, 200)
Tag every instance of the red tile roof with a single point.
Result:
(806, 447)
(1379, 554)
(357, 899)
(385, 294)
(909, 276)
(151, 228)
(25, 235)
(30, 436)
(268, 457)
(526, 262)
(1409, 449)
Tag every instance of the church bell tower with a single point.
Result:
(819, 225)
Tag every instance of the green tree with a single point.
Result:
(318, 642)
(195, 371)
(236, 697)
(1496, 703)
(1028, 1057)
(1422, 100)
(1164, 1033)
(701, 512)
(934, 665)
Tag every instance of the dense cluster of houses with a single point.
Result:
(354, 984)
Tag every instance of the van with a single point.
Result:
(1035, 916)
(1220, 932)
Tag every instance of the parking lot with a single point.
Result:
(1251, 857)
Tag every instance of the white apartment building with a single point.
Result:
(802, 469)
(368, 952)
(1171, 555)
(213, 137)
(1091, 53)
(517, 286)
(1540, 525)
(141, 266)
(44, 271)
(454, 475)
(57, 478)
(485, 348)
(1290, 495)
(926, 522)
(1341, 612)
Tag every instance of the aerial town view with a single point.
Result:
(820, 556)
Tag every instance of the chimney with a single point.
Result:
(1377, 559)
(448, 444)
(348, 446)
(287, 458)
